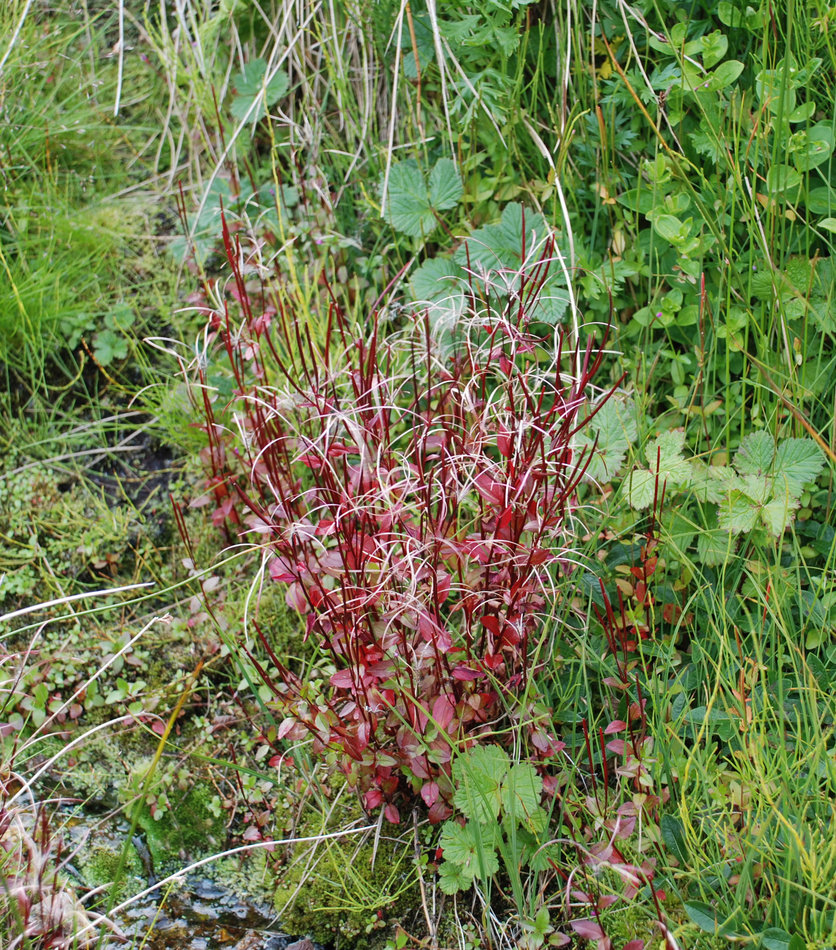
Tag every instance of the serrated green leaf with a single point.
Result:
(640, 488)
(515, 244)
(614, 426)
(471, 848)
(478, 775)
(711, 482)
(445, 189)
(713, 546)
(521, 789)
(737, 513)
(755, 455)
(505, 245)
(797, 461)
(250, 88)
(437, 279)
(452, 878)
(664, 455)
(777, 514)
(407, 200)
(757, 488)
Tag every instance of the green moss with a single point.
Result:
(99, 865)
(344, 893)
(193, 825)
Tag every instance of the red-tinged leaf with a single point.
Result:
(617, 725)
(671, 613)
(390, 813)
(295, 598)
(634, 945)
(285, 727)
(252, 834)
(590, 929)
(466, 673)
(372, 798)
(430, 792)
(617, 746)
(442, 586)
(200, 501)
(158, 727)
(492, 491)
(439, 811)
(444, 711)
(491, 624)
(539, 556)
(342, 679)
(494, 661)
(504, 442)
(281, 571)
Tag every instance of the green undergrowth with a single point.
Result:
(373, 155)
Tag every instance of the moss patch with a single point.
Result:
(346, 893)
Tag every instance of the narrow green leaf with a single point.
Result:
(674, 838)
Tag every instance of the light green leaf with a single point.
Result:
(713, 546)
(477, 775)
(781, 178)
(757, 488)
(813, 147)
(777, 514)
(670, 228)
(407, 201)
(755, 455)
(797, 461)
(737, 513)
(520, 794)
(452, 878)
(615, 427)
(714, 47)
(445, 185)
(470, 848)
(829, 224)
(250, 86)
(640, 488)
(664, 454)
(725, 74)
(437, 279)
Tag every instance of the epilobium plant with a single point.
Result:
(417, 505)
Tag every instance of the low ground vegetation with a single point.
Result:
(418, 463)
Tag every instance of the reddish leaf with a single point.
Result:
(430, 793)
(444, 711)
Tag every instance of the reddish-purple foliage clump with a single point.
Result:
(416, 501)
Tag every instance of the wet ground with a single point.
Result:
(202, 913)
